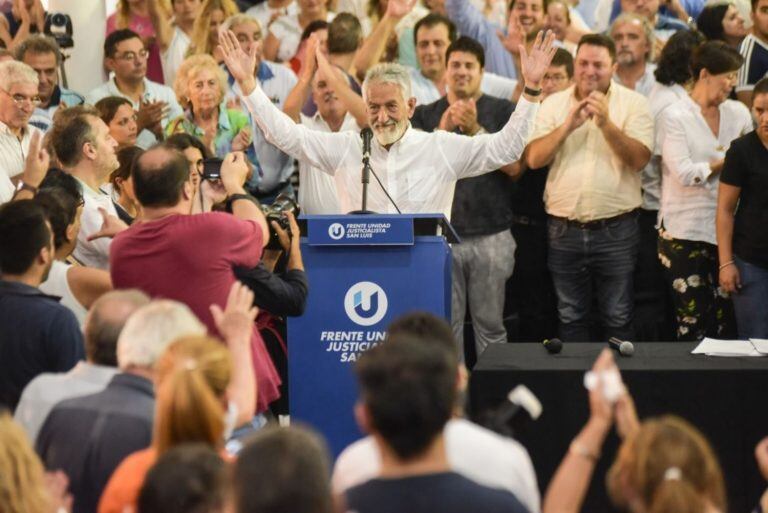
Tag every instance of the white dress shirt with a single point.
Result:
(425, 91)
(93, 253)
(288, 31)
(476, 453)
(12, 155)
(688, 186)
(263, 12)
(317, 190)
(419, 171)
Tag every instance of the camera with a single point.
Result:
(212, 168)
(59, 26)
(277, 211)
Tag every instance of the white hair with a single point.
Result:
(240, 19)
(15, 72)
(388, 73)
(151, 329)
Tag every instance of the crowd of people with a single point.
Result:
(607, 179)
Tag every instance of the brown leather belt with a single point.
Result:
(596, 224)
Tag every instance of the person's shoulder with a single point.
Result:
(736, 108)
(484, 498)
(496, 105)
(98, 92)
(439, 105)
(160, 90)
(70, 97)
(748, 143)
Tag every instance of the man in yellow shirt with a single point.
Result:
(596, 137)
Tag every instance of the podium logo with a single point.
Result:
(336, 231)
(365, 303)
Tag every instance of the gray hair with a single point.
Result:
(388, 73)
(240, 19)
(15, 72)
(38, 43)
(629, 17)
(151, 329)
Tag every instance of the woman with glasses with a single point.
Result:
(118, 114)
(201, 87)
(696, 132)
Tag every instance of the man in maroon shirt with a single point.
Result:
(190, 258)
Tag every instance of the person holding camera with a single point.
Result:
(191, 258)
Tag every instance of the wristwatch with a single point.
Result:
(22, 186)
(531, 92)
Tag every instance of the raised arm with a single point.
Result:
(303, 88)
(487, 152)
(321, 149)
(375, 44)
(338, 81)
(161, 23)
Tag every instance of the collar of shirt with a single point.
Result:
(223, 122)
(115, 91)
(264, 73)
(55, 97)
(92, 372)
(96, 194)
(6, 130)
(14, 288)
(134, 381)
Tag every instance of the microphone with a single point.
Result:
(624, 347)
(553, 345)
(521, 407)
(366, 134)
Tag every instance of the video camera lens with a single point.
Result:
(212, 168)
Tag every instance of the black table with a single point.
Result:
(724, 397)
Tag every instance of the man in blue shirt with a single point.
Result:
(37, 334)
(42, 54)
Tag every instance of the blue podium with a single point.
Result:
(364, 271)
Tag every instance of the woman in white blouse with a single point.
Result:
(697, 131)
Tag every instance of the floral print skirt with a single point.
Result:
(702, 307)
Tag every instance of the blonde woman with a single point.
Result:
(201, 87)
(24, 485)
(142, 16)
(205, 33)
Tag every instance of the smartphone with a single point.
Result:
(212, 169)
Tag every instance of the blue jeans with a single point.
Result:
(751, 301)
(602, 258)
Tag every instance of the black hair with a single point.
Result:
(598, 40)
(182, 141)
(432, 20)
(710, 21)
(563, 57)
(127, 158)
(760, 88)
(344, 34)
(61, 209)
(716, 57)
(296, 480)
(108, 106)
(117, 37)
(189, 478)
(61, 180)
(314, 27)
(468, 45)
(674, 65)
(409, 391)
(160, 186)
(424, 325)
(23, 233)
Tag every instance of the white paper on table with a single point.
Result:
(715, 347)
(760, 344)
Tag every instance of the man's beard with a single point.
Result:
(390, 132)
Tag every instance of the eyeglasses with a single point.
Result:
(133, 56)
(20, 99)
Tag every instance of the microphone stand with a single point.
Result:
(366, 178)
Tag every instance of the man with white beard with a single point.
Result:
(419, 170)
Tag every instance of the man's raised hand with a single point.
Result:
(535, 64)
(240, 63)
(399, 8)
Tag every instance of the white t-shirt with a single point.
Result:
(93, 253)
(13, 153)
(476, 453)
(57, 284)
(317, 190)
